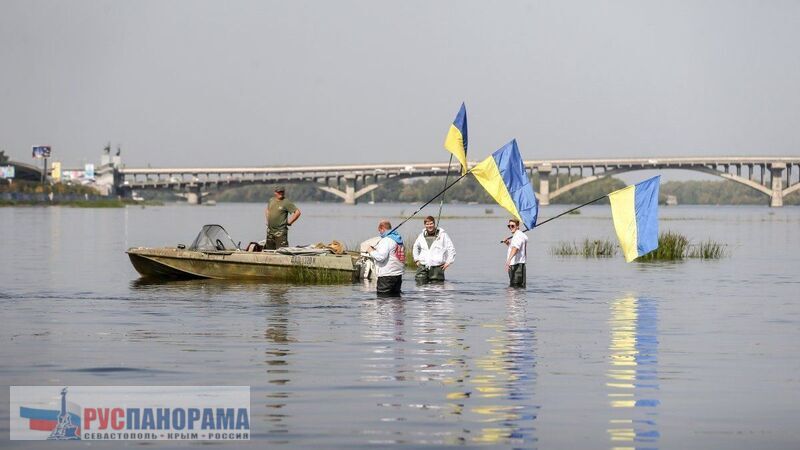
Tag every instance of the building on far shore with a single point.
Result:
(672, 200)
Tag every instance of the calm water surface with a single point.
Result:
(595, 353)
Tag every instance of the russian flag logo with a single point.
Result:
(64, 424)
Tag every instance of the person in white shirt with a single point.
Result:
(390, 260)
(516, 255)
(433, 252)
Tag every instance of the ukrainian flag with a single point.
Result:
(635, 213)
(456, 140)
(504, 178)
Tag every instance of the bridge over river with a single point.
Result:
(774, 177)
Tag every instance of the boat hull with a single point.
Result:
(173, 263)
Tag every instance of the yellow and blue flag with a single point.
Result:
(504, 178)
(635, 212)
(456, 140)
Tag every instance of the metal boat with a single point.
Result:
(214, 254)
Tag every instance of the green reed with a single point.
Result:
(707, 250)
(410, 264)
(589, 248)
(672, 246)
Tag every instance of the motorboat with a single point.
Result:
(214, 254)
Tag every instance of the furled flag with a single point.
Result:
(456, 140)
(635, 212)
(504, 178)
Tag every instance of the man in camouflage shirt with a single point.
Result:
(280, 215)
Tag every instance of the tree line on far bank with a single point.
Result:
(469, 190)
(466, 191)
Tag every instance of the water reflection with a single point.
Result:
(504, 379)
(442, 353)
(278, 352)
(419, 341)
(633, 388)
(385, 363)
(209, 286)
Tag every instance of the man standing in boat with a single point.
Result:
(280, 215)
(516, 255)
(390, 260)
(433, 252)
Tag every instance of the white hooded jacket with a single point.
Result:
(441, 251)
(389, 258)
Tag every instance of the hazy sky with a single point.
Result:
(180, 83)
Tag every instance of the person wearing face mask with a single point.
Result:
(516, 255)
(433, 253)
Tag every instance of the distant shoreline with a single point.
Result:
(685, 192)
(100, 203)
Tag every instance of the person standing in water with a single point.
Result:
(516, 255)
(390, 260)
(433, 252)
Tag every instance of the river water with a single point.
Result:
(595, 353)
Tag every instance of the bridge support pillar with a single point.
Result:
(194, 196)
(350, 195)
(776, 171)
(349, 190)
(544, 183)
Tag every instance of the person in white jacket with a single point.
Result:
(433, 252)
(390, 260)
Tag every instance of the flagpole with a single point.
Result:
(563, 213)
(446, 179)
(431, 200)
(570, 210)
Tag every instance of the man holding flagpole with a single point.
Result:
(517, 255)
(504, 177)
(390, 260)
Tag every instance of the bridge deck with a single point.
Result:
(770, 175)
(442, 166)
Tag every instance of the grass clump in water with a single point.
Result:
(675, 246)
(707, 250)
(671, 246)
(589, 248)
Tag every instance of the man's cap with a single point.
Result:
(280, 189)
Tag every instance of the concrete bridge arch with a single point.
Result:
(766, 178)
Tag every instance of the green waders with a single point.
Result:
(516, 275)
(429, 274)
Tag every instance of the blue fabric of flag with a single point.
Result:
(646, 207)
(504, 178)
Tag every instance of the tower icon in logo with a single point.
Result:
(65, 430)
